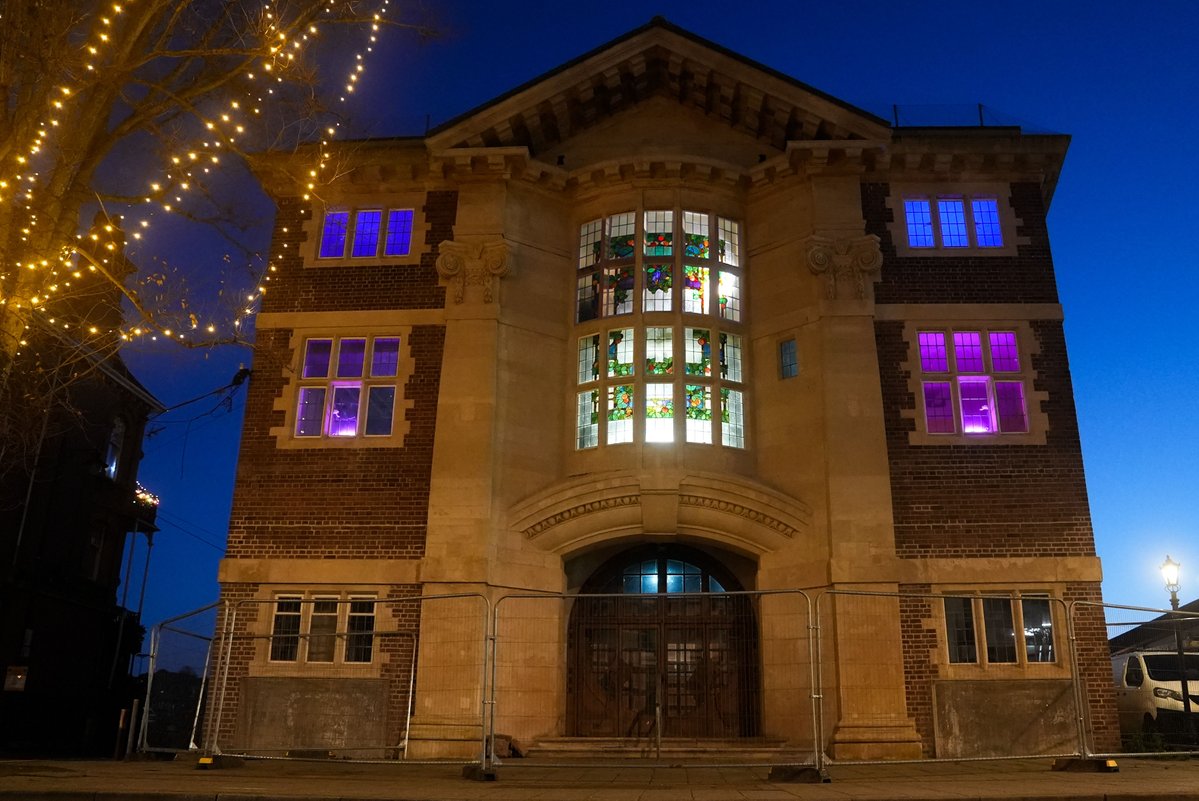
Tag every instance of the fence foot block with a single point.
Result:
(1088, 765)
(219, 761)
(794, 775)
(478, 773)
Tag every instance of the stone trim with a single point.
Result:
(850, 259)
(463, 264)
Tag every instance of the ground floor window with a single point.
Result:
(322, 629)
(1000, 630)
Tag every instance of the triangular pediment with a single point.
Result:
(648, 68)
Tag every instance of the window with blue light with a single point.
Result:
(651, 576)
(364, 231)
(399, 233)
(366, 234)
(333, 237)
(986, 222)
(788, 359)
(952, 222)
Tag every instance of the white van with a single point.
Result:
(1149, 691)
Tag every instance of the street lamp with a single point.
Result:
(1170, 570)
(1170, 574)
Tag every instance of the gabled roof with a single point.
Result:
(658, 59)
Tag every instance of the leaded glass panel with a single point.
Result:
(587, 429)
(699, 413)
(588, 358)
(730, 296)
(659, 233)
(620, 352)
(618, 290)
(657, 287)
(698, 346)
(659, 351)
(695, 235)
(620, 414)
(590, 235)
(730, 357)
(622, 233)
(695, 289)
(730, 242)
(659, 412)
(732, 430)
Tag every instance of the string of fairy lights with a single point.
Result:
(183, 171)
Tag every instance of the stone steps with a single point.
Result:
(755, 749)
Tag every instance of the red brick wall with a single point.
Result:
(919, 641)
(1095, 666)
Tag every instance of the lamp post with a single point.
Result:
(1170, 575)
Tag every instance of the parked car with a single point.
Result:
(1149, 690)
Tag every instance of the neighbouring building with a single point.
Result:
(69, 502)
(664, 321)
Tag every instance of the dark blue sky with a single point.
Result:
(1121, 80)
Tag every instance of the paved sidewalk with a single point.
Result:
(1028, 780)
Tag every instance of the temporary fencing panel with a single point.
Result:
(1145, 695)
(335, 677)
(177, 682)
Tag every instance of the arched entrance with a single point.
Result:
(657, 631)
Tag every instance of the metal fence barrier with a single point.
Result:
(307, 676)
(1154, 678)
(177, 680)
(653, 678)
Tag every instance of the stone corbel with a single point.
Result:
(463, 264)
(849, 259)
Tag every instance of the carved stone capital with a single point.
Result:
(462, 264)
(851, 260)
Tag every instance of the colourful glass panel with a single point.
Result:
(657, 287)
(698, 351)
(587, 431)
(695, 289)
(588, 358)
(1005, 357)
(659, 233)
(618, 290)
(699, 413)
(729, 247)
(938, 407)
(659, 351)
(730, 296)
(732, 429)
(588, 296)
(620, 352)
(620, 414)
(622, 233)
(659, 412)
(933, 356)
(730, 357)
(590, 237)
(695, 235)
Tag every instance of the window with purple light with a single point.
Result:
(952, 214)
(316, 358)
(366, 234)
(975, 398)
(359, 406)
(968, 350)
(351, 354)
(399, 233)
(938, 407)
(385, 357)
(1005, 357)
(933, 356)
(987, 231)
(920, 223)
(1013, 415)
(333, 236)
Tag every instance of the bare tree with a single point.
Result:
(123, 117)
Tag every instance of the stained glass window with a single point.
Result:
(588, 296)
(659, 351)
(588, 419)
(622, 233)
(695, 235)
(695, 289)
(590, 234)
(699, 413)
(698, 346)
(588, 358)
(730, 357)
(732, 430)
(659, 233)
(620, 352)
(618, 290)
(620, 413)
(730, 296)
(659, 412)
(657, 287)
(730, 242)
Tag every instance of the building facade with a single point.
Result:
(664, 320)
